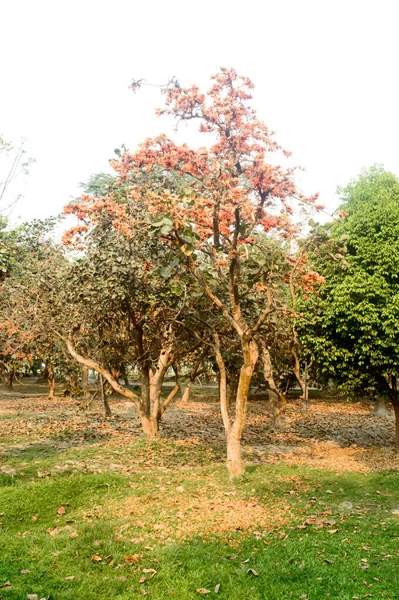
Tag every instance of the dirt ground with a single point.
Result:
(334, 434)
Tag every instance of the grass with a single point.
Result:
(306, 534)
(92, 512)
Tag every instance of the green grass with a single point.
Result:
(112, 515)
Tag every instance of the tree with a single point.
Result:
(208, 206)
(356, 316)
(13, 163)
(127, 298)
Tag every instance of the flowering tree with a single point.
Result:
(208, 206)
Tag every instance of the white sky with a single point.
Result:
(326, 76)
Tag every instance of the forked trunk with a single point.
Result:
(234, 429)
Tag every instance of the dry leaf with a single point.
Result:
(217, 588)
(96, 558)
(253, 572)
(61, 511)
(203, 591)
(24, 571)
(7, 584)
(152, 571)
(132, 558)
(32, 597)
(143, 579)
(70, 577)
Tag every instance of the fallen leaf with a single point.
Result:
(253, 572)
(7, 584)
(132, 558)
(32, 597)
(142, 579)
(203, 591)
(61, 511)
(96, 558)
(24, 571)
(217, 588)
(70, 577)
(152, 571)
(332, 530)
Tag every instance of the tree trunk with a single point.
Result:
(235, 465)
(85, 382)
(150, 425)
(278, 403)
(104, 400)
(124, 375)
(151, 387)
(395, 404)
(10, 379)
(51, 383)
(186, 393)
(380, 409)
(233, 385)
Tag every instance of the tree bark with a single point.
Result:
(104, 401)
(10, 379)
(234, 464)
(51, 382)
(149, 406)
(85, 382)
(186, 393)
(380, 408)
(150, 426)
(277, 401)
(233, 385)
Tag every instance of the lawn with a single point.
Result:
(88, 515)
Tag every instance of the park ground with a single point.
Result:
(90, 510)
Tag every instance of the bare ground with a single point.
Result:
(334, 434)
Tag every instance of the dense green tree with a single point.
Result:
(354, 327)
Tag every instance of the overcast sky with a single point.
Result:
(326, 76)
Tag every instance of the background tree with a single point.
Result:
(356, 316)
